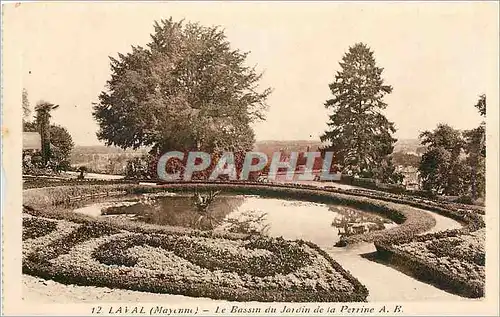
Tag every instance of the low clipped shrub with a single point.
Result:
(452, 259)
(240, 269)
(412, 221)
(467, 200)
(34, 227)
(365, 182)
(389, 243)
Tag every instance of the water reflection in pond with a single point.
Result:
(322, 224)
(175, 210)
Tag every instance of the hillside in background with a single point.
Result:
(409, 146)
(266, 146)
(113, 160)
(103, 159)
(102, 149)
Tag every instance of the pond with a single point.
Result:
(322, 224)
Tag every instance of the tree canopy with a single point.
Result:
(454, 163)
(440, 167)
(187, 89)
(360, 136)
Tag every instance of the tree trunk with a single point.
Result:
(45, 138)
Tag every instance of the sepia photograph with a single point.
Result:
(245, 158)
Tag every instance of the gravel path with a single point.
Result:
(46, 291)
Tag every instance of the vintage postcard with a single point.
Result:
(250, 158)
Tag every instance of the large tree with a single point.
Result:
(454, 163)
(441, 167)
(187, 89)
(475, 148)
(360, 136)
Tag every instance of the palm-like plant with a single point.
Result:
(43, 110)
(202, 204)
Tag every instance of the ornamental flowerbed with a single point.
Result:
(74, 248)
(240, 269)
(453, 260)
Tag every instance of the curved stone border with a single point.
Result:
(411, 220)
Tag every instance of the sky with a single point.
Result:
(439, 57)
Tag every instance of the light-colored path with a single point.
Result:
(45, 291)
(385, 283)
(96, 176)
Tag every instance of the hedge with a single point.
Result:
(93, 254)
(432, 257)
(400, 208)
(411, 220)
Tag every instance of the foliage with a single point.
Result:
(187, 89)
(251, 222)
(82, 170)
(441, 167)
(451, 259)
(242, 269)
(26, 104)
(34, 227)
(145, 167)
(61, 145)
(454, 163)
(360, 135)
(481, 105)
(412, 221)
(386, 172)
(141, 167)
(406, 159)
(475, 149)
(77, 264)
(202, 204)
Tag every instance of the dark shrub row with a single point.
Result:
(34, 227)
(63, 245)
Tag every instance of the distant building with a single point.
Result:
(413, 153)
(411, 176)
(32, 141)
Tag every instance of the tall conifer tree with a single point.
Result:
(360, 136)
